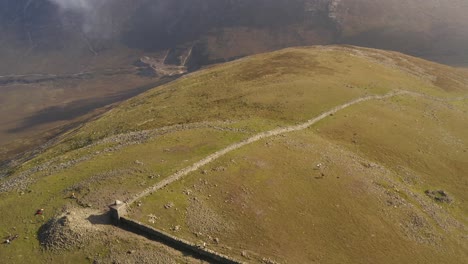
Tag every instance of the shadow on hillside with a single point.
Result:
(102, 219)
(82, 107)
(186, 252)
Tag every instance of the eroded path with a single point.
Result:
(178, 175)
(275, 132)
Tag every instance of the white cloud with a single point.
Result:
(96, 20)
(76, 5)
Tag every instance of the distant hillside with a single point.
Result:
(98, 46)
(328, 154)
(222, 30)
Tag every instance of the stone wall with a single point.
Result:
(175, 242)
(117, 210)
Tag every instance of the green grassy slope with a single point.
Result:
(365, 203)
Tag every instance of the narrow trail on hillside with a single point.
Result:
(218, 154)
(179, 174)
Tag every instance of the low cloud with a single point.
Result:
(76, 5)
(96, 19)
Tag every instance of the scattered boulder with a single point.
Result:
(440, 196)
(368, 165)
(169, 205)
(152, 218)
(268, 261)
(10, 239)
(152, 176)
(219, 168)
(318, 166)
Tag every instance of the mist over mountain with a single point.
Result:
(224, 29)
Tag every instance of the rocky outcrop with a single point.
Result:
(158, 66)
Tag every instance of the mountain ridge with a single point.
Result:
(367, 175)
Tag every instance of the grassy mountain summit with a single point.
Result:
(315, 154)
(63, 61)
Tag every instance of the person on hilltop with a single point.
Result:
(40, 212)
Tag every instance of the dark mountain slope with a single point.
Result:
(225, 29)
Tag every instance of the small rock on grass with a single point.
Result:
(169, 205)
